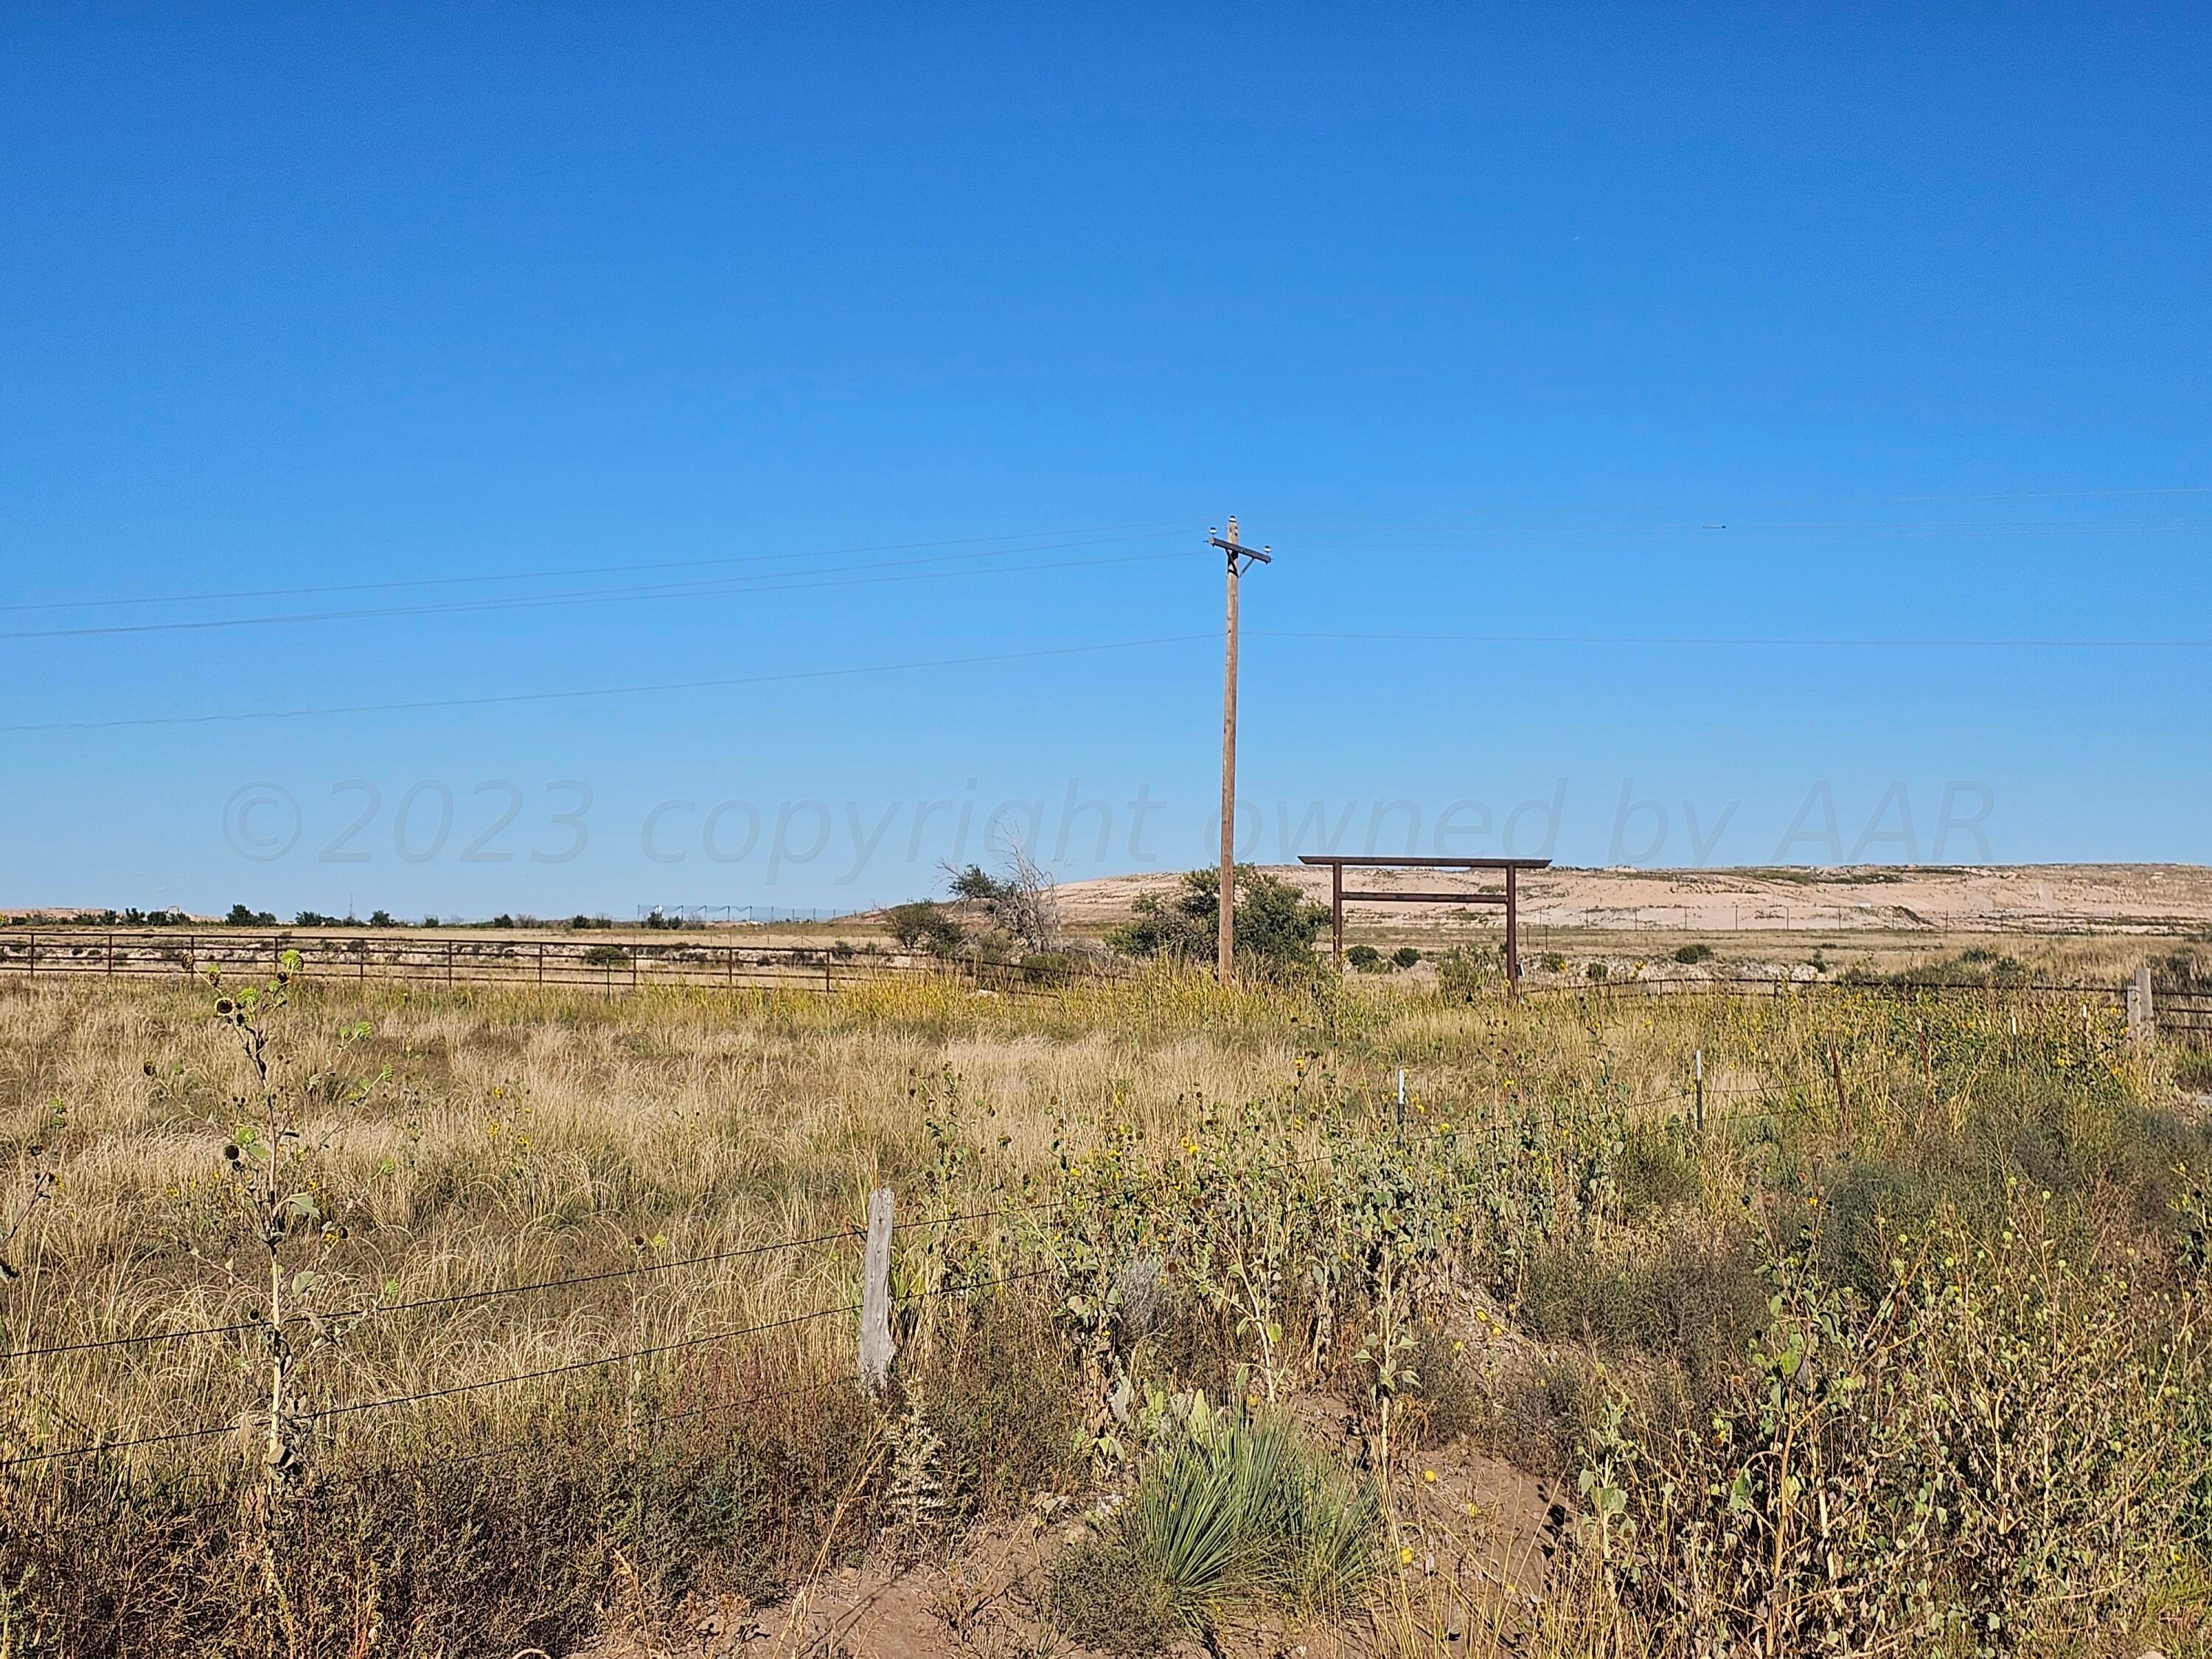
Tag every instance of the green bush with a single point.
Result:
(1404, 956)
(1997, 1453)
(976, 885)
(1463, 975)
(1276, 924)
(1690, 955)
(1366, 958)
(922, 926)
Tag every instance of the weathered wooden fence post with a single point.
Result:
(875, 1350)
(2142, 1022)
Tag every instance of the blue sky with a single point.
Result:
(544, 351)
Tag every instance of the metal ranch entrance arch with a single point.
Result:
(1511, 898)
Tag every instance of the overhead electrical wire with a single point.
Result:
(736, 586)
(1047, 540)
(1027, 541)
(495, 699)
(1794, 642)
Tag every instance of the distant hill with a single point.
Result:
(2151, 898)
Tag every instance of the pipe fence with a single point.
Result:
(609, 965)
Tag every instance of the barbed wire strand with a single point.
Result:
(460, 1296)
(389, 1402)
(95, 1447)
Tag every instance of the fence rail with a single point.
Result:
(598, 964)
(2184, 1014)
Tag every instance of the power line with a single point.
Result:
(1778, 640)
(599, 596)
(1597, 535)
(1044, 540)
(499, 698)
(1040, 537)
(1769, 504)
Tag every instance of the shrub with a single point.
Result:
(976, 885)
(606, 956)
(1463, 974)
(1595, 971)
(1448, 1406)
(381, 918)
(1366, 958)
(1233, 1520)
(922, 926)
(241, 916)
(1404, 956)
(1554, 962)
(1690, 955)
(1276, 924)
(1991, 1455)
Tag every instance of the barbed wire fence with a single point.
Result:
(102, 1445)
(1697, 1093)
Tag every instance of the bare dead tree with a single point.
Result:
(1022, 900)
(1031, 899)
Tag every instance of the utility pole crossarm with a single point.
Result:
(1236, 550)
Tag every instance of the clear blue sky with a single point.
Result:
(962, 324)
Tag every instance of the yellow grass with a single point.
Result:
(525, 1135)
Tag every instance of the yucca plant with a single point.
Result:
(1233, 1517)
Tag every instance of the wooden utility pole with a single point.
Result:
(1241, 559)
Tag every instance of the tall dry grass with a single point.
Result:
(512, 1136)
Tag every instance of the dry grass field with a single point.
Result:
(1889, 1339)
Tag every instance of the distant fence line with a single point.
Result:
(707, 914)
(629, 964)
(599, 964)
(1767, 916)
(2176, 1012)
